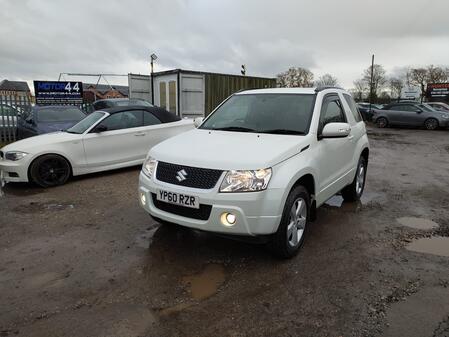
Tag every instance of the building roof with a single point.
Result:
(176, 71)
(14, 85)
(103, 88)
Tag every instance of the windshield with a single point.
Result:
(86, 123)
(426, 107)
(263, 113)
(53, 114)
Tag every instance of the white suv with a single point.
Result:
(259, 165)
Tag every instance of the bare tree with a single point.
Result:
(379, 78)
(418, 77)
(360, 88)
(326, 80)
(396, 86)
(436, 74)
(295, 77)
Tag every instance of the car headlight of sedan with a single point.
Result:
(148, 166)
(15, 155)
(246, 181)
(445, 116)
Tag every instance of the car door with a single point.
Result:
(412, 115)
(120, 145)
(335, 154)
(395, 114)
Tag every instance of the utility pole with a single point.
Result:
(153, 58)
(371, 84)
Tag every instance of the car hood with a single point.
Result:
(227, 150)
(38, 143)
(55, 126)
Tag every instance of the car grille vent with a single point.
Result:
(188, 176)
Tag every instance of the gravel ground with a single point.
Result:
(85, 260)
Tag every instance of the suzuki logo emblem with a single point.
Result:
(181, 175)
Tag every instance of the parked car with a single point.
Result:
(104, 140)
(439, 106)
(113, 102)
(366, 111)
(259, 165)
(410, 114)
(45, 119)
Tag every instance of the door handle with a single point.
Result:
(140, 134)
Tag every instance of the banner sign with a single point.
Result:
(58, 93)
(438, 91)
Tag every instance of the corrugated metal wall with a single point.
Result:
(218, 87)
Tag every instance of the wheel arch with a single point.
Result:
(46, 154)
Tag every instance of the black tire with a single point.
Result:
(280, 243)
(431, 124)
(382, 122)
(50, 170)
(353, 192)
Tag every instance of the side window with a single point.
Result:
(396, 107)
(124, 120)
(355, 111)
(331, 112)
(150, 119)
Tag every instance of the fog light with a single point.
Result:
(143, 199)
(228, 219)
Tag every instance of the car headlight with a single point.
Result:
(246, 181)
(445, 116)
(15, 155)
(149, 166)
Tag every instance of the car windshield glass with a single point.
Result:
(59, 114)
(426, 107)
(83, 125)
(264, 113)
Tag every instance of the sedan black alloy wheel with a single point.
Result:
(50, 170)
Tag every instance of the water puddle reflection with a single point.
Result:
(435, 245)
(417, 223)
(206, 283)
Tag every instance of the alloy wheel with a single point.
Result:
(297, 222)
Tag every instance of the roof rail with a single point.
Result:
(324, 87)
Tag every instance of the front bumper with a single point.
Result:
(14, 171)
(257, 213)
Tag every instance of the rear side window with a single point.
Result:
(355, 111)
(331, 112)
(124, 120)
(150, 119)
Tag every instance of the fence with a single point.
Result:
(12, 108)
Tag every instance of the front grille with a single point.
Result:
(201, 213)
(194, 176)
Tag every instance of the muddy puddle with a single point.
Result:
(435, 245)
(417, 223)
(338, 201)
(206, 283)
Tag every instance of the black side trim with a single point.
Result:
(304, 148)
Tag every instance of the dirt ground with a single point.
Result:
(85, 260)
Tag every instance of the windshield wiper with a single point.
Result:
(283, 132)
(235, 128)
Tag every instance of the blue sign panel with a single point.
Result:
(57, 92)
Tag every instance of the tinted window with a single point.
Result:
(270, 113)
(59, 114)
(353, 107)
(124, 120)
(331, 112)
(150, 119)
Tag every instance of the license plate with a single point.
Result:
(178, 199)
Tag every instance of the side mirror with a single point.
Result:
(100, 128)
(336, 130)
(198, 121)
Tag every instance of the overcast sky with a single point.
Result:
(41, 38)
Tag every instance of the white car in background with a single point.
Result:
(260, 165)
(104, 140)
